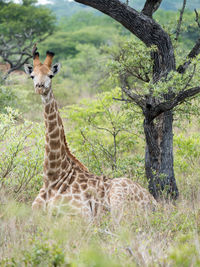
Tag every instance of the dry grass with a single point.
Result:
(166, 237)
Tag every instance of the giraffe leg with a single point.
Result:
(116, 204)
(39, 203)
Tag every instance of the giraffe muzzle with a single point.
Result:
(39, 90)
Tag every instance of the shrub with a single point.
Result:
(21, 146)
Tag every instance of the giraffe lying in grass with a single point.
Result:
(67, 182)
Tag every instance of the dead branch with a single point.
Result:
(178, 29)
(197, 17)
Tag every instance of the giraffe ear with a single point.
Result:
(56, 68)
(28, 68)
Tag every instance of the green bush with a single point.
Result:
(186, 252)
(7, 98)
(21, 146)
(103, 135)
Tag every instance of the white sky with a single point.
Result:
(42, 2)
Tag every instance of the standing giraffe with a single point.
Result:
(67, 182)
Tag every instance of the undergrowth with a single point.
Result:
(167, 237)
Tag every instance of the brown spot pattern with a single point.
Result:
(76, 189)
(52, 156)
(52, 116)
(54, 134)
(63, 188)
(71, 180)
(77, 197)
(141, 195)
(47, 149)
(59, 120)
(83, 186)
(53, 164)
(64, 164)
(54, 144)
(63, 150)
(47, 107)
(67, 198)
(47, 138)
(137, 198)
(52, 126)
(52, 175)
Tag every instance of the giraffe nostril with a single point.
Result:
(40, 85)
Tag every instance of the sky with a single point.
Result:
(41, 2)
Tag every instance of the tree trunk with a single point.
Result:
(158, 131)
(159, 156)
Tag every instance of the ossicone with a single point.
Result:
(50, 53)
(49, 58)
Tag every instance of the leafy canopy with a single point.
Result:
(16, 19)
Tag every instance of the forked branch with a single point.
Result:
(169, 105)
(193, 53)
(150, 7)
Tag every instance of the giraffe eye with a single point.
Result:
(50, 76)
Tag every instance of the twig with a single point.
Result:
(178, 29)
(197, 17)
(93, 149)
(122, 99)
(190, 78)
(105, 231)
(34, 49)
(193, 53)
(130, 251)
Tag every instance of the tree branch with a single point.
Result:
(142, 26)
(193, 53)
(122, 99)
(137, 99)
(178, 29)
(146, 29)
(197, 17)
(150, 7)
(169, 105)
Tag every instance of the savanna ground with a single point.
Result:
(107, 136)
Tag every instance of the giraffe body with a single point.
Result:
(68, 185)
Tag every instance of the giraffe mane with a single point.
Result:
(81, 165)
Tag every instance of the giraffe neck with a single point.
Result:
(58, 159)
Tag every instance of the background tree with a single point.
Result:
(20, 26)
(161, 94)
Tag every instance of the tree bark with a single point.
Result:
(159, 156)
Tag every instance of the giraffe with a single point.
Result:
(68, 185)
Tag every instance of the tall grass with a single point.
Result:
(166, 237)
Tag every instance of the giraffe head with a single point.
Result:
(42, 74)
